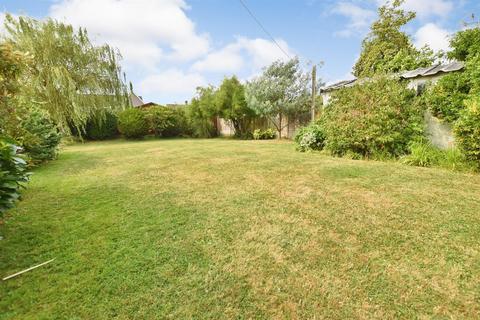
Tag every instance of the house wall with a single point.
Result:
(439, 133)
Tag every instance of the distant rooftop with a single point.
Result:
(411, 74)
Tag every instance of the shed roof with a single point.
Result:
(411, 74)
(135, 100)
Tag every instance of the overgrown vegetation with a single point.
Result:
(13, 175)
(375, 119)
(424, 154)
(311, 137)
(133, 124)
(264, 134)
(102, 128)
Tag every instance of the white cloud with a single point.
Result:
(432, 35)
(359, 18)
(427, 8)
(172, 81)
(145, 31)
(234, 56)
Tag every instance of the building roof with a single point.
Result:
(433, 70)
(411, 74)
(135, 100)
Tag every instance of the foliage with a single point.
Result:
(160, 119)
(465, 44)
(67, 75)
(102, 129)
(11, 66)
(387, 49)
(445, 99)
(378, 118)
(467, 130)
(281, 91)
(132, 123)
(267, 134)
(424, 154)
(13, 175)
(40, 136)
(232, 106)
(311, 137)
(202, 113)
(181, 125)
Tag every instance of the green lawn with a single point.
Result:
(215, 229)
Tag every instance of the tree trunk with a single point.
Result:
(279, 126)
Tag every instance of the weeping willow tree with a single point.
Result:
(68, 76)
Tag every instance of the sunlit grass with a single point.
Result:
(240, 229)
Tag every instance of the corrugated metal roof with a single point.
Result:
(420, 72)
(135, 100)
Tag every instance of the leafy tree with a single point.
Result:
(202, 112)
(232, 105)
(67, 76)
(387, 49)
(11, 66)
(281, 91)
(465, 43)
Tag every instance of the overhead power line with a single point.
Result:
(262, 27)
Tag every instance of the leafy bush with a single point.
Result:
(266, 134)
(310, 138)
(378, 118)
(445, 98)
(13, 174)
(467, 130)
(160, 120)
(132, 123)
(40, 136)
(102, 129)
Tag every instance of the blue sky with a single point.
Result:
(171, 46)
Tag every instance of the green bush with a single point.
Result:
(13, 175)
(182, 126)
(160, 120)
(102, 129)
(266, 134)
(40, 136)
(376, 119)
(132, 123)
(446, 98)
(467, 130)
(310, 138)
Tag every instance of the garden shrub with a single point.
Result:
(467, 130)
(310, 138)
(102, 129)
(40, 136)
(266, 134)
(160, 120)
(376, 119)
(132, 123)
(13, 175)
(181, 125)
(446, 98)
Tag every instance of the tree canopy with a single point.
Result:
(68, 76)
(232, 105)
(281, 91)
(387, 49)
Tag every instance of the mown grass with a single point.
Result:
(210, 229)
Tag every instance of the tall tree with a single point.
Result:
(281, 91)
(202, 112)
(11, 65)
(387, 49)
(232, 105)
(68, 76)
